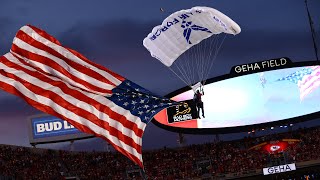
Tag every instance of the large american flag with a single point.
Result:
(62, 82)
(307, 79)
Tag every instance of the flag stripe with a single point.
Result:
(304, 91)
(121, 150)
(63, 62)
(16, 88)
(48, 45)
(100, 109)
(79, 58)
(99, 103)
(35, 32)
(305, 80)
(71, 80)
(64, 83)
(309, 82)
(63, 54)
(48, 64)
(57, 104)
(74, 55)
(307, 91)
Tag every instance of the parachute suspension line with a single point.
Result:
(212, 56)
(204, 59)
(196, 61)
(201, 60)
(194, 51)
(188, 65)
(180, 77)
(198, 58)
(210, 59)
(202, 55)
(206, 56)
(183, 73)
(215, 55)
(179, 42)
(183, 64)
(192, 65)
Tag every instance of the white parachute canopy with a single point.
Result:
(181, 31)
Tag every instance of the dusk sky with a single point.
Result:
(111, 34)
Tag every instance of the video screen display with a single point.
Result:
(255, 98)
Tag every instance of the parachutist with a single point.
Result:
(170, 42)
(199, 103)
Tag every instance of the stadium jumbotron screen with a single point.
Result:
(250, 99)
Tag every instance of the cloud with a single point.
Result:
(12, 105)
(109, 39)
(6, 25)
(118, 46)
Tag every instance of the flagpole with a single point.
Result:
(312, 31)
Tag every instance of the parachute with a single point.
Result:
(187, 42)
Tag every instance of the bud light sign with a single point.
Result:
(48, 128)
(51, 126)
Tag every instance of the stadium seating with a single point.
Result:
(203, 161)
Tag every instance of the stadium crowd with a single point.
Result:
(186, 162)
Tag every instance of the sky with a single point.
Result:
(111, 34)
